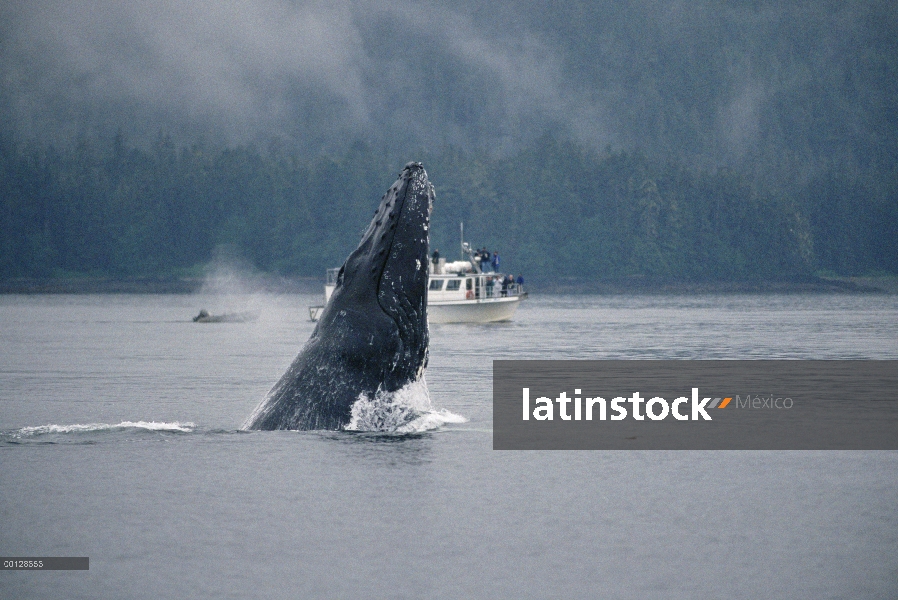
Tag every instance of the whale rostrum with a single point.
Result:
(372, 335)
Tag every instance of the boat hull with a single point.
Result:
(470, 300)
(473, 311)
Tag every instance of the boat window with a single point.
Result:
(436, 284)
(468, 284)
(453, 284)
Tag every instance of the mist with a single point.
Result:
(712, 83)
(312, 72)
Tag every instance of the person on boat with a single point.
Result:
(505, 281)
(489, 286)
(485, 260)
(520, 282)
(496, 262)
(436, 261)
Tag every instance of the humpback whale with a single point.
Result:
(372, 335)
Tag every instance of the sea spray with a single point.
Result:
(89, 427)
(407, 410)
(232, 289)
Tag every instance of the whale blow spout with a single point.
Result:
(372, 335)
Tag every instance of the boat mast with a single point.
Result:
(462, 226)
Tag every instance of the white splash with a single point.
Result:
(78, 428)
(407, 410)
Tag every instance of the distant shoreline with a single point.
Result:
(149, 285)
(313, 285)
(835, 285)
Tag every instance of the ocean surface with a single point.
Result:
(120, 441)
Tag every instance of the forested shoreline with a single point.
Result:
(554, 210)
(586, 141)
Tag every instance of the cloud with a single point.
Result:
(694, 79)
(232, 65)
(246, 70)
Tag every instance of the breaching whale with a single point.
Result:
(372, 335)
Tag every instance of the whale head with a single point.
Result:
(372, 334)
(386, 275)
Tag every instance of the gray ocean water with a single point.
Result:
(119, 441)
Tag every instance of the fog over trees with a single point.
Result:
(690, 140)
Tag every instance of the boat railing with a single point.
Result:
(496, 290)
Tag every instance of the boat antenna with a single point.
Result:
(462, 226)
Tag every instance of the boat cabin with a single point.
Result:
(470, 286)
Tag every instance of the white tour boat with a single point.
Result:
(457, 292)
